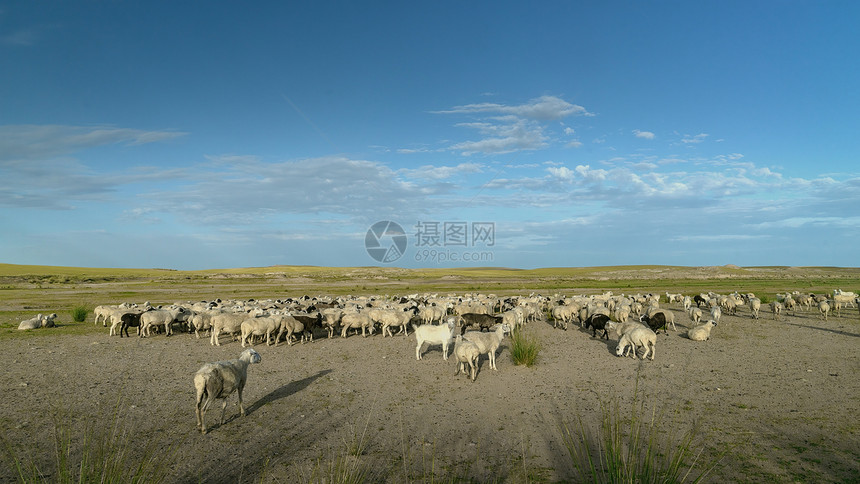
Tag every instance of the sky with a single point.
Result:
(192, 136)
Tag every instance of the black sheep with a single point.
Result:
(699, 300)
(655, 322)
(597, 322)
(477, 320)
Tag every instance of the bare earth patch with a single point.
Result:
(784, 393)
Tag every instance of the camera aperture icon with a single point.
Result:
(385, 241)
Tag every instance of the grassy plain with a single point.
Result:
(782, 392)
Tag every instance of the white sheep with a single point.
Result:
(824, 308)
(466, 352)
(229, 323)
(622, 328)
(489, 342)
(38, 321)
(701, 332)
(434, 335)
(716, 314)
(267, 325)
(220, 380)
(695, 315)
(755, 306)
(776, 308)
(356, 320)
(643, 337)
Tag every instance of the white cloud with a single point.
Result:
(431, 172)
(33, 142)
(519, 135)
(544, 108)
(687, 139)
(644, 134)
(574, 144)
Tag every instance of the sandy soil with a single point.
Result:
(784, 394)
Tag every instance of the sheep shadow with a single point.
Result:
(286, 390)
(834, 331)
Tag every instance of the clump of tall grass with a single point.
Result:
(524, 347)
(98, 453)
(639, 447)
(79, 313)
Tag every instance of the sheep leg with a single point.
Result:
(418, 350)
(474, 367)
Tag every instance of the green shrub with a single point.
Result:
(524, 347)
(79, 314)
(764, 299)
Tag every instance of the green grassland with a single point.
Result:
(26, 290)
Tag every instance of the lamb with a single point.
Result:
(466, 352)
(434, 335)
(701, 332)
(597, 322)
(220, 380)
(38, 321)
(643, 337)
(489, 342)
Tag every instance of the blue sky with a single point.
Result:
(169, 134)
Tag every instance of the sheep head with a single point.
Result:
(250, 355)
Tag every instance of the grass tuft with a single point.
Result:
(79, 313)
(641, 448)
(98, 453)
(524, 348)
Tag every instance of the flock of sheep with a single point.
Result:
(474, 324)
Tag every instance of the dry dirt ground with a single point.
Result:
(781, 395)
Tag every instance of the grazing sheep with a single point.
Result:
(220, 380)
(643, 337)
(489, 342)
(331, 319)
(466, 352)
(701, 332)
(597, 322)
(434, 335)
(561, 316)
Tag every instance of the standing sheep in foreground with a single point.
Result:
(701, 332)
(220, 380)
(824, 308)
(643, 337)
(776, 308)
(489, 342)
(434, 335)
(466, 352)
